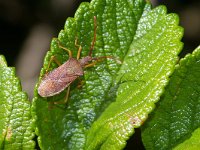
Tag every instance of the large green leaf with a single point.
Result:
(16, 126)
(177, 115)
(146, 41)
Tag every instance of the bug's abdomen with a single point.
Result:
(51, 87)
(58, 79)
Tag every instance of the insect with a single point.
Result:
(55, 81)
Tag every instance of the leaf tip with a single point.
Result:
(3, 62)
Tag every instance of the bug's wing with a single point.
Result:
(73, 66)
(58, 79)
(51, 87)
(70, 68)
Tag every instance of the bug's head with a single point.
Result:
(85, 60)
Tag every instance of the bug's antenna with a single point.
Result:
(94, 38)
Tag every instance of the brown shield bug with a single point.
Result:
(55, 81)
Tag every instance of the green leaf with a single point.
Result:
(2, 61)
(193, 143)
(16, 126)
(177, 114)
(143, 75)
(117, 97)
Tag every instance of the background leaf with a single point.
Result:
(3, 62)
(16, 126)
(192, 143)
(146, 41)
(177, 115)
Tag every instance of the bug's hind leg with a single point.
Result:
(80, 83)
(58, 104)
(65, 98)
(67, 95)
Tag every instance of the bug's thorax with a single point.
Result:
(85, 60)
(72, 67)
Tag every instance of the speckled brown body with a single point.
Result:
(60, 78)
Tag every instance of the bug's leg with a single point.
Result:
(80, 83)
(67, 94)
(93, 41)
(91, 64)
(79, 48)
(94, 38)
(64, 48)
(99, 59)
(65, 99)
(51, 105)
(53, 58)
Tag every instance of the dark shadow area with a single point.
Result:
(17, 18)
(135, 142)
(189, 17)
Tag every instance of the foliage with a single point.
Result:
(16, 125)
(114, 98)
(177, 114)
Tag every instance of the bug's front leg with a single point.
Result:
(96, 60)
(91, 64)
(53, 58)
(79, 49)
(64, 48)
